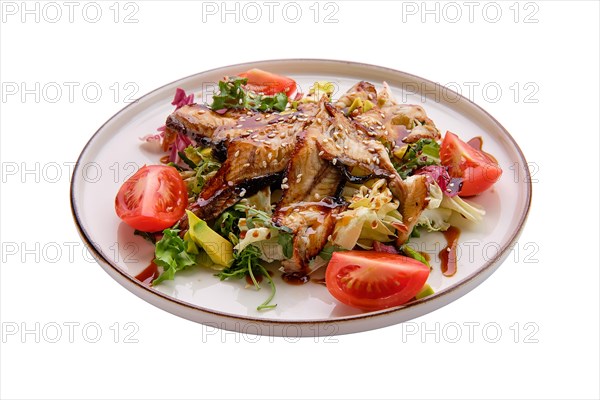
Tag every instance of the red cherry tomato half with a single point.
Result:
(373, 280)
(478, 170)
(260, 81)
(153, 199)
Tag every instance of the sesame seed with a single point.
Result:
(329, 238)
(298, 179)
(337, 146)
(372, 150)
(241, 101)
(382, 115)
(346, 147)
(321, 153)
(270, 156)
(284, 180)
(282, 135)
(258, 118)
(254, 136)
(299, 175)
(319, 120)
(201, 111)
(243, 193)
(271, 135)
(237, 153)
(284, 186)
(246, 165)
(242, 119)
(334, 161)
(280, 119)
(264, 164)
(296, 209)
(229, 183)
(317, 196)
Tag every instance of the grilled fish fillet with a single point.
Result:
(252, 163)
(412, 205)
(362, 90)
(309, 204)
(398, 123)
(209, 128)
(346, 142)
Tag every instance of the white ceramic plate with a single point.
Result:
(115, 152)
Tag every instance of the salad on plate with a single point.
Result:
(268, 180)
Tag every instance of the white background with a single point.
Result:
(554, 289)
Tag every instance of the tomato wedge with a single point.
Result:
(260, 81)
(373, 280)
(153, 199)
(478, 170)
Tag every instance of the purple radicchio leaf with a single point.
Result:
(384, 248)
(180, 144)
(182, 99)
(436, 173)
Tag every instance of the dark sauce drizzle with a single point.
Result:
(448, 253)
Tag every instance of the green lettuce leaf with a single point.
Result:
(233, 95)
(172, 254)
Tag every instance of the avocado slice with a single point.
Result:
(219, 250)
(426, 291)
